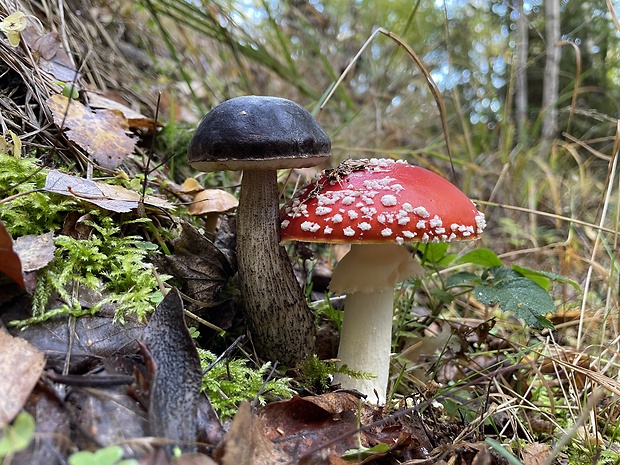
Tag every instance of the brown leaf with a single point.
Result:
(134, 119)
(191, 186)
(535, 453)
(102, 134)
(306, 426)
(51, 55)
(199, 265)
(21, 366)
(113, 198)
(246, 443)
(35, 252)
(10, 264)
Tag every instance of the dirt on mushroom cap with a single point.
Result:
(380, 200)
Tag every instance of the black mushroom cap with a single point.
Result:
(256, 132)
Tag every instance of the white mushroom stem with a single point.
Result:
(368, 275)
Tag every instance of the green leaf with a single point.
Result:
(462, 279)
(503, 452)
(515, 293)
(544, 277)
(365, 452)
(18, 435)
(482, 256)
(434, 252)
(442, 295)
(107, 456)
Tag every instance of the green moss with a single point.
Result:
(107, 262)
(229, 382)
(28, 210)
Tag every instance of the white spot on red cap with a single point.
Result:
(389, 200)
(364, 226)
(435, 222)
(310, 226)
(421, 212)
(349, 231)
(322, 210)
(386, 232)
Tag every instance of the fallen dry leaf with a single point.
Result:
(246, 443)
(35, 252)
(10, 264)
(134, 119)
(102, 134)
(535, 453)
(21, 366)
(50, 54)
(191, 186)
(113, 198)
(212, 201)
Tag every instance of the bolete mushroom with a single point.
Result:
(260, 135)
(376, 205)
(210, 203)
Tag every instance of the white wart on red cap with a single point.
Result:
(380, 200)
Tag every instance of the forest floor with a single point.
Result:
(99, 226)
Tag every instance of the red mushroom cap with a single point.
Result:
(380, 200)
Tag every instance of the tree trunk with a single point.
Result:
(521, 73)
(551, 78)
(279, 320)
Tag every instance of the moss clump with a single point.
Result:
(107, 262)
(30, 211)
(229, 382)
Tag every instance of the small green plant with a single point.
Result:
(519, 290)
(229, 382)
(17, 436)
(316, 374)
(110, 455)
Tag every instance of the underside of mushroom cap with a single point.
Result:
(258, 132)
(374, 268)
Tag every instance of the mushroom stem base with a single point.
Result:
(367, 322)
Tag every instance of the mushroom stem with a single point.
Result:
(368, 275)
(279, 320)
(367, 322)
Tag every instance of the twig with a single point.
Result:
(223, 354)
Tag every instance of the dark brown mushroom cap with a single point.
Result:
(257, 132)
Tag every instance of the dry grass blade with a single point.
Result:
(418, 62)
(611, 175)
(614, 16)
(573, 103)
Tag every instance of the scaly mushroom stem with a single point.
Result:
(280, 322)
(367, 323)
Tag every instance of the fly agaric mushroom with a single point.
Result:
(376, 205)
(260, 135)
